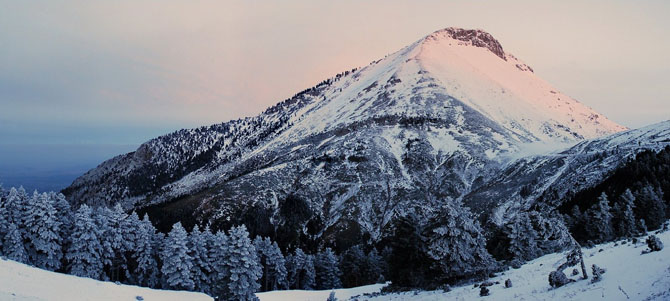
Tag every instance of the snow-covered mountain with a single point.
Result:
(443, 118)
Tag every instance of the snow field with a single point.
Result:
(20, 282)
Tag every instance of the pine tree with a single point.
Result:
(552, 234)
(624, 216)
(65, 216)
(4, 222)
(650, 205)
(16, 206)
(373, 267)
(109, 238)
(278, 271)
(522, 238)
(12, 246)
(273, 263)
(201, 271)
(408, 262)
(219, 253)
(43, 232)
(177, 264)
(85, 251)
(309, 278)
(210, 241)
(243, 266)
(300, 268)
(144, 256)
(327, 270)
(599, 222)
(456, 243)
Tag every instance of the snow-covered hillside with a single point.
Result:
(20, 282)
(630, 275)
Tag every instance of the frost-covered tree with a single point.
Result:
(650, 204)
(43, 232)
(202, 270)
(373, 272)
(623, 215)
(177, 264)
(219, 253)
(110, 237)
(327, 269)
(243, 266)
(456, 243)
(273, 263)
(4, 221)
(84, 253)
(300, 267)
(522, 238)
(65, 216)
(16, 206)
(12, 245)
(599, 220)
(359, 268)
(145, 272)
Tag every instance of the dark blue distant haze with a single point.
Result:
(52, 166)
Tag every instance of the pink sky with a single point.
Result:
(162, 65)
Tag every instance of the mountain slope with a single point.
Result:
(429, 123)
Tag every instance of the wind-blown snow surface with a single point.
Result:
(640, 276)
(19, 282)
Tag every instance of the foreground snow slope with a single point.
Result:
(341, 294)
(21, 282)
(642, 277)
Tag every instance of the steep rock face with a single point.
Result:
(434, 121)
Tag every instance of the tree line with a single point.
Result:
(109, 244)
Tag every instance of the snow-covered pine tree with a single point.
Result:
(552, 234)
(145, 271)
(300, 268)
(599, 221)
(650, 204)
(201, 271)
(65, 216)
(309, 279)
(273, 263)
(244, 269)
(16, 206)
(374, 267)
(4, 223)
(456, 243)
(219, 250)
(278, 271)
(327, 269)
(43, 233)
(352, 263)
(12, 246)
(84, 253)
(522, 238)
(623, 215)
(209, 239)
(108, 237)
(177, 264)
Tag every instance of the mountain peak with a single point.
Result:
(474, 37)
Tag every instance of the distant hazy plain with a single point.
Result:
(52, 166)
